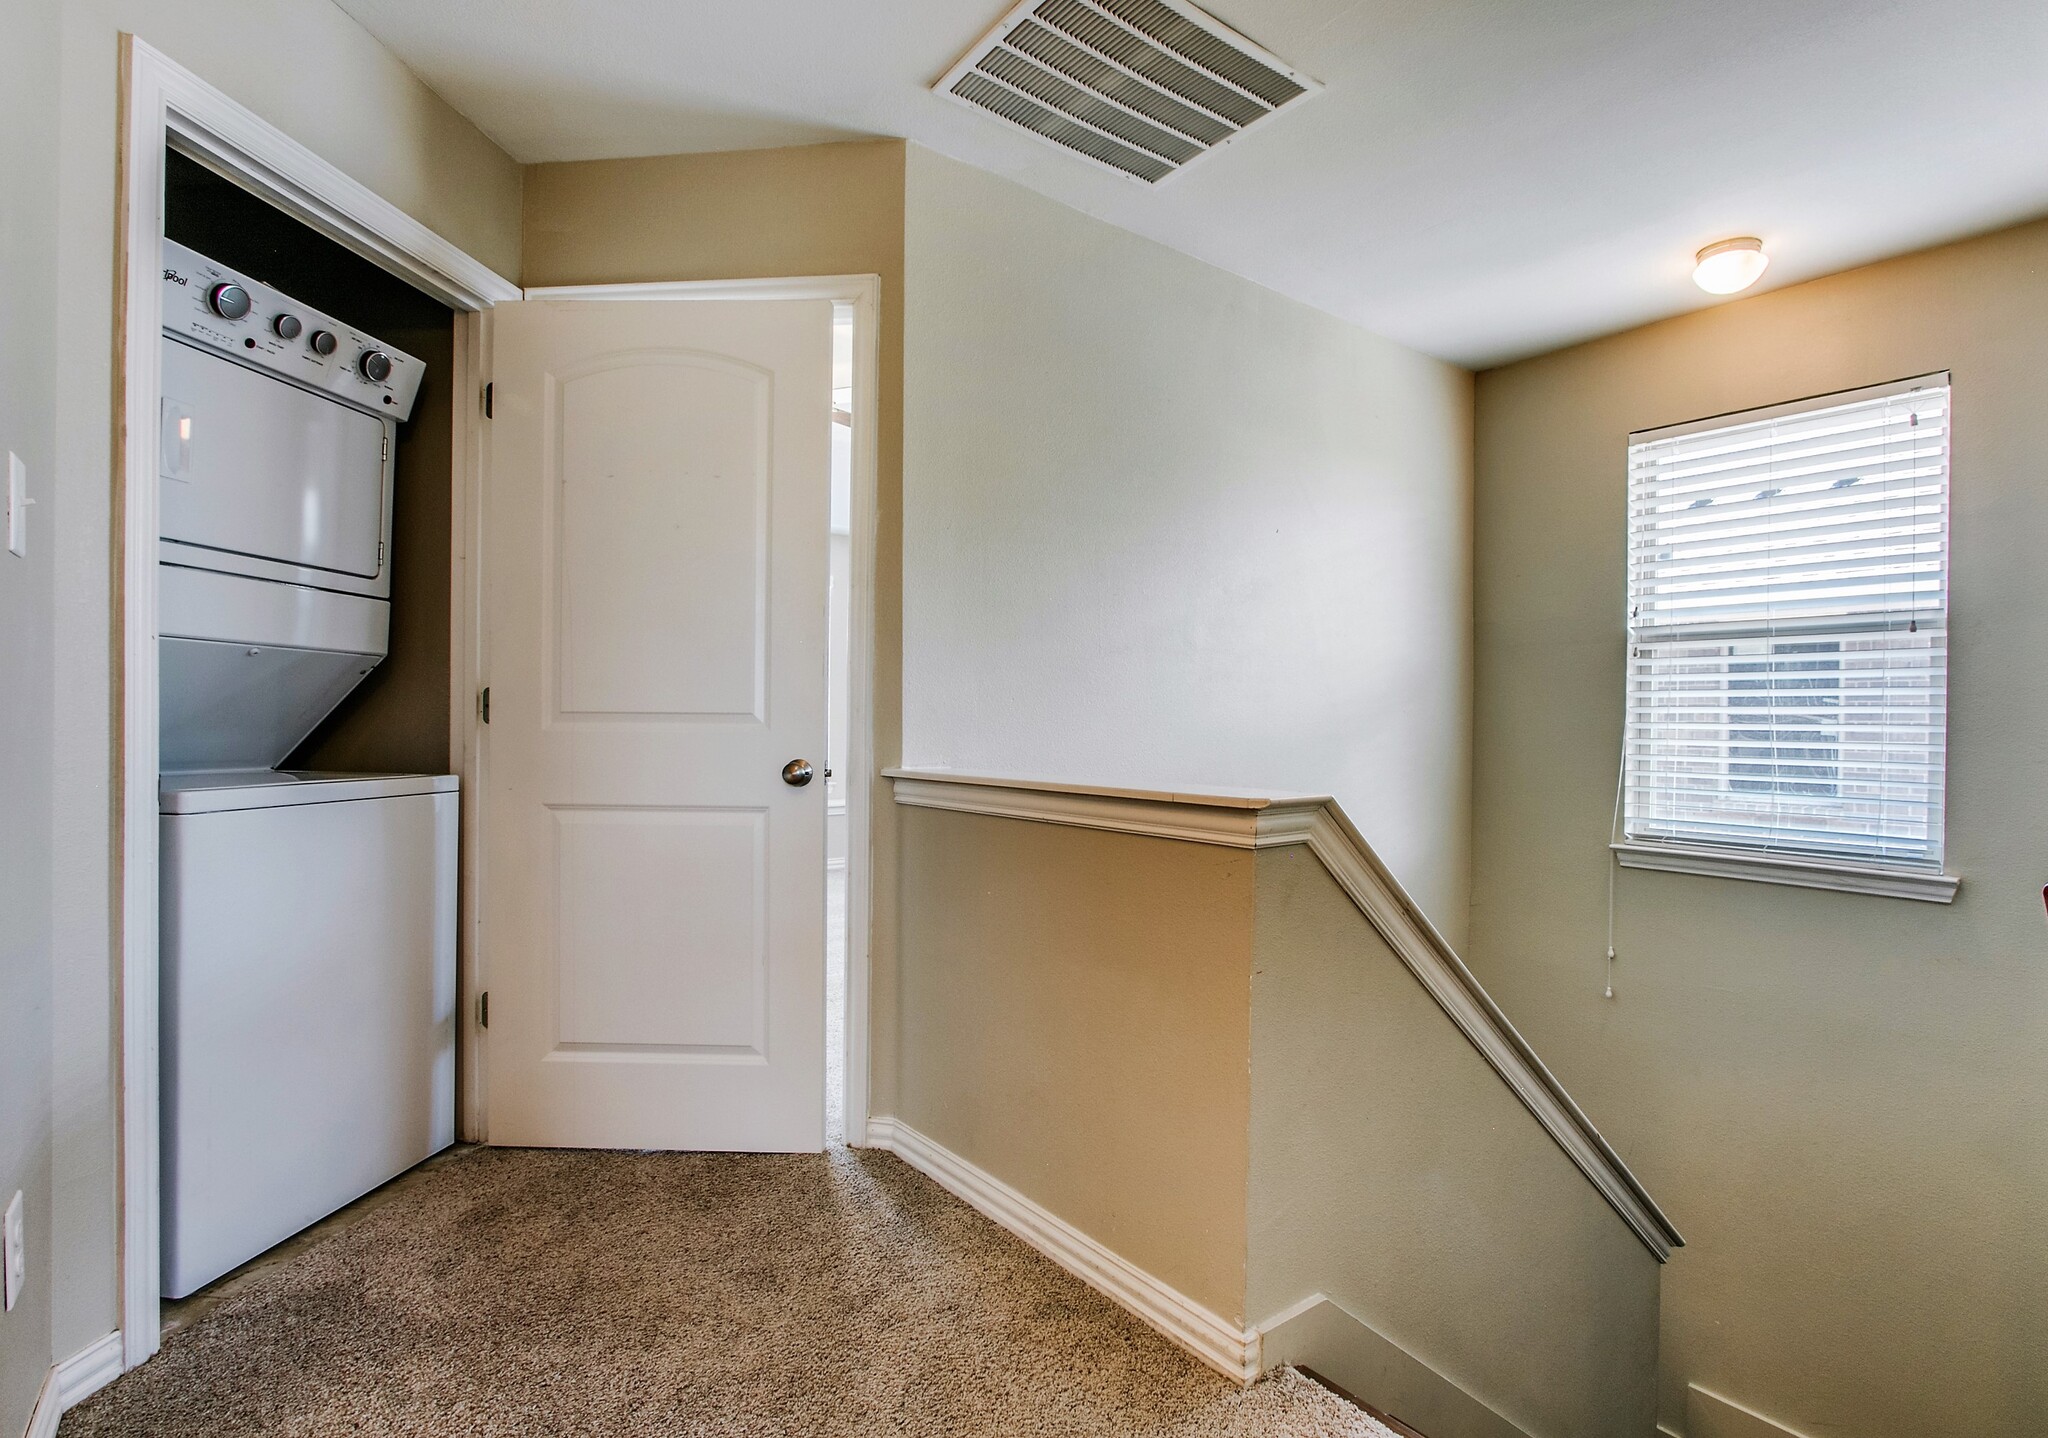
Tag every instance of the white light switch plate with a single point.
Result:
(17, 506)
(15, 1256)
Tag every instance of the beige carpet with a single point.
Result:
(512, 1291)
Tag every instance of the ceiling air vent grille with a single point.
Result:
(1144, 87)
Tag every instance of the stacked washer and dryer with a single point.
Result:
(308, 919)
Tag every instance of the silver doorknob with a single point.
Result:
(797, 772)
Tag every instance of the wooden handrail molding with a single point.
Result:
(1246, 820)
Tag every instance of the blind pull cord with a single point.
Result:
(1614, 859)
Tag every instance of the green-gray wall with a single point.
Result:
(28, 323)
(1393, 1171)
(1838, 1098)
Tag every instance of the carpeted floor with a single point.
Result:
(518, 1291)
(529, 1292)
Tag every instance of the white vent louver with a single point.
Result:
(1143, 87)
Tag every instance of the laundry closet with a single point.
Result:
(308, 823)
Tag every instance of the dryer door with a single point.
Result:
(257, 467)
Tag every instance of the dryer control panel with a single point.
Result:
(246, 320)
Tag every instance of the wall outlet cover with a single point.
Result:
(17, 506)
(15, 1254)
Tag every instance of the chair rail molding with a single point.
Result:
(1246, 820)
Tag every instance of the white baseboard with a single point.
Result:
(89, 1370)
(42, 1419)
(71, 1382)
(1320, 1333)
(1229, 1349)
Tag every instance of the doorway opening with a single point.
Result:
(675, 941)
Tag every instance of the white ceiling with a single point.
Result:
(1481, 180)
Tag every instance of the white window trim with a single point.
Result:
(1828, 399)
(1799, 871)
(1763, 866)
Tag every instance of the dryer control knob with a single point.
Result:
(287, 327)
(375, 365)
(230, 301)
(323, 342)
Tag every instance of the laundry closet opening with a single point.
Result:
(309, 817)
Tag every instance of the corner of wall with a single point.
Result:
(1324, 1335)
(1493, 1262)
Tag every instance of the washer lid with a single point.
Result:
(217, 791)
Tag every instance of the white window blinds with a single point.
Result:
(1787, 612)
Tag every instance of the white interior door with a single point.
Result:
(655, 609)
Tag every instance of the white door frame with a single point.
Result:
(863, 294)
(167, 105)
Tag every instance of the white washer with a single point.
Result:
(308, 1001)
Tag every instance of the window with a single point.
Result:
(1788, 627)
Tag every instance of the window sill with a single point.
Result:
(1804, 873)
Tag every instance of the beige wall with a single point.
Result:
(28, 325)
(1075, 1022)
(1393, 1171)
(746, 214)
(738, 214)
(307, 68)
(1164, 528)
(1837, 1097)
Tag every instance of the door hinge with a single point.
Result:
(483, 1009)
(380, 556)
(483, 704)
(487, 401)
(387, 446)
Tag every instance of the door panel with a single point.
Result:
(669, 514)
(646, 962)
(655, 610)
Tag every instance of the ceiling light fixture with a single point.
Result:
(1726, 266)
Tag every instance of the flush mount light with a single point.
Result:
(1726, 266)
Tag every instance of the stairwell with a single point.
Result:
(1203, 1051)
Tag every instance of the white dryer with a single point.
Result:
(308, 920)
